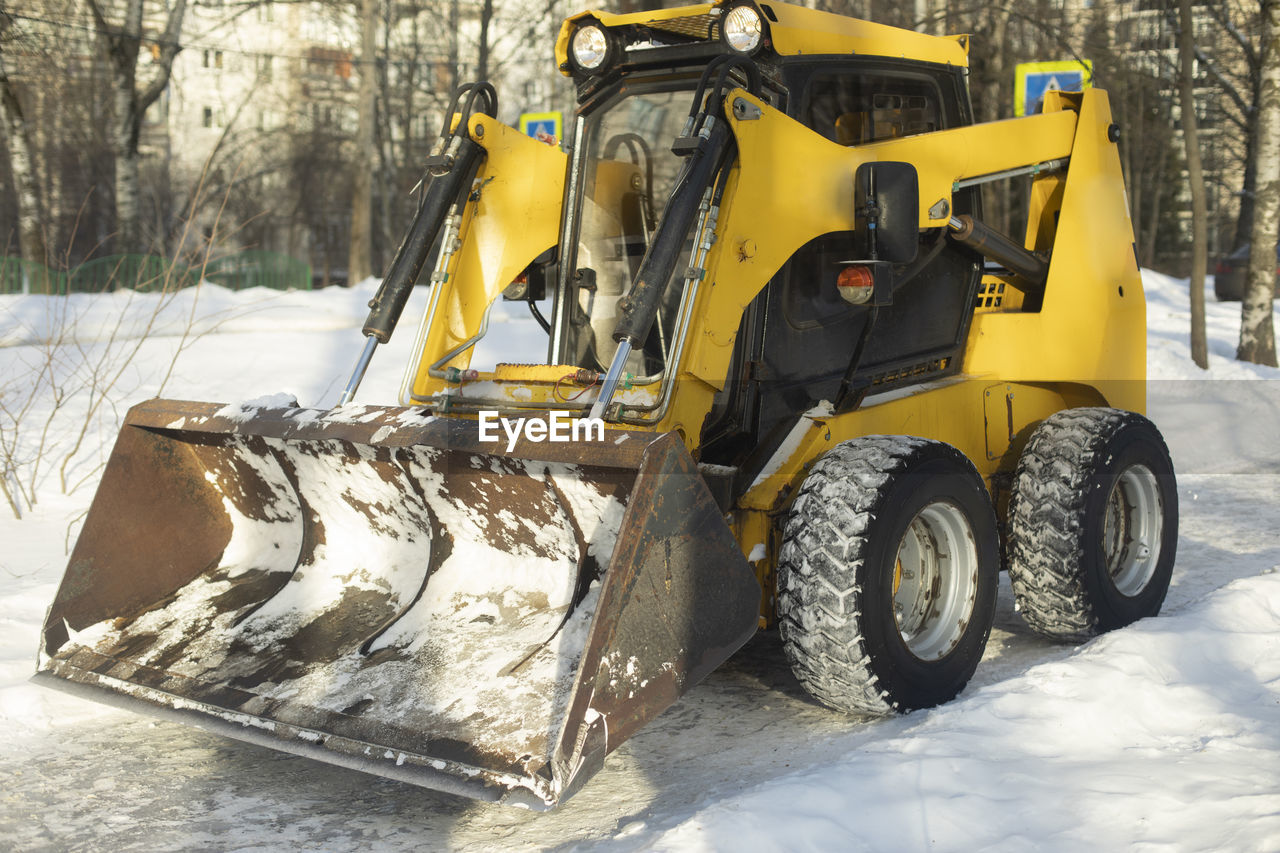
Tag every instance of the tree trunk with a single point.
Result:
(409, 86)
(1148, 237)
(482, 58)
(360, 252)
(384, 144)
(930, 17)
(31, 212)
(454, 75)
(1257, 327)
(1195, 175)
(1137, 167)
(996, 96)
(1244, 222)
(125, 132)
(122, 45)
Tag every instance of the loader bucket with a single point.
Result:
(376, 588)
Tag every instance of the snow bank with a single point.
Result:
(32, 320)
(1163, 734)
(1169, 333)
(1216, 421)
(124, 314)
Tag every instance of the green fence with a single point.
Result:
(153, 274)
(259, 269)
(19, 276)
(146, 273)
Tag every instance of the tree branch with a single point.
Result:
(169, 48)
(113, 39)
(1219, 14)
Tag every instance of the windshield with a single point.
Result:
(628, 174)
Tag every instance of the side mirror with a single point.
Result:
(886, 200)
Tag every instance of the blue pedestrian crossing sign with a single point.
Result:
(1036, 78)
(541, 125)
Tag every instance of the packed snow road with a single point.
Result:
(1176, 719)
(1165, 735)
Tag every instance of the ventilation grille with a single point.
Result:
(697, 26)
(990, 295)
(936, 365)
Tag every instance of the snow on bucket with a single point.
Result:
(375, 588)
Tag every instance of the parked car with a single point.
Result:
(1230, 272)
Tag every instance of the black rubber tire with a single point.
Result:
(1057, 560)
(836, 573)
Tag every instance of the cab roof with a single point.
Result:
(791, 31)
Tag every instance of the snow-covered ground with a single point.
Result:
(1163, 736)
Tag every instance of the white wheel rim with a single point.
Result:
(1133, 524)
(935, 581)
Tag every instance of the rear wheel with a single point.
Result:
(1093, 523)
(887, 575)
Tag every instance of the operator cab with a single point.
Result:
(636, 78)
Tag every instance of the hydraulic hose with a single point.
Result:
(444, 186)
(720, 67)
(637, 310)
(441, 193)
(448, 181)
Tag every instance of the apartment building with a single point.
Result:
(259, 92)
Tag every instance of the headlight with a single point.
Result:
(590, 47)
(743, 29)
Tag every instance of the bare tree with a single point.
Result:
(484, 47)
(454, 48)
(50, 63)
(122, 44)
(317, 188)
(1237, 73)
(1195, 176)
(415, 84)
(360, 253)
(17, 133)
(1257, 327)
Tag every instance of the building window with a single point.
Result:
(208, 117)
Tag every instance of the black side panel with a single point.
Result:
(798, 338)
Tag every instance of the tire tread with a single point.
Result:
(817, 588)
(1051, 486)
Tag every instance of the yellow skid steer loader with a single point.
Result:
(803, 384)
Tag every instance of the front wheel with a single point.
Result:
(887, 575)
(1093, 523)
